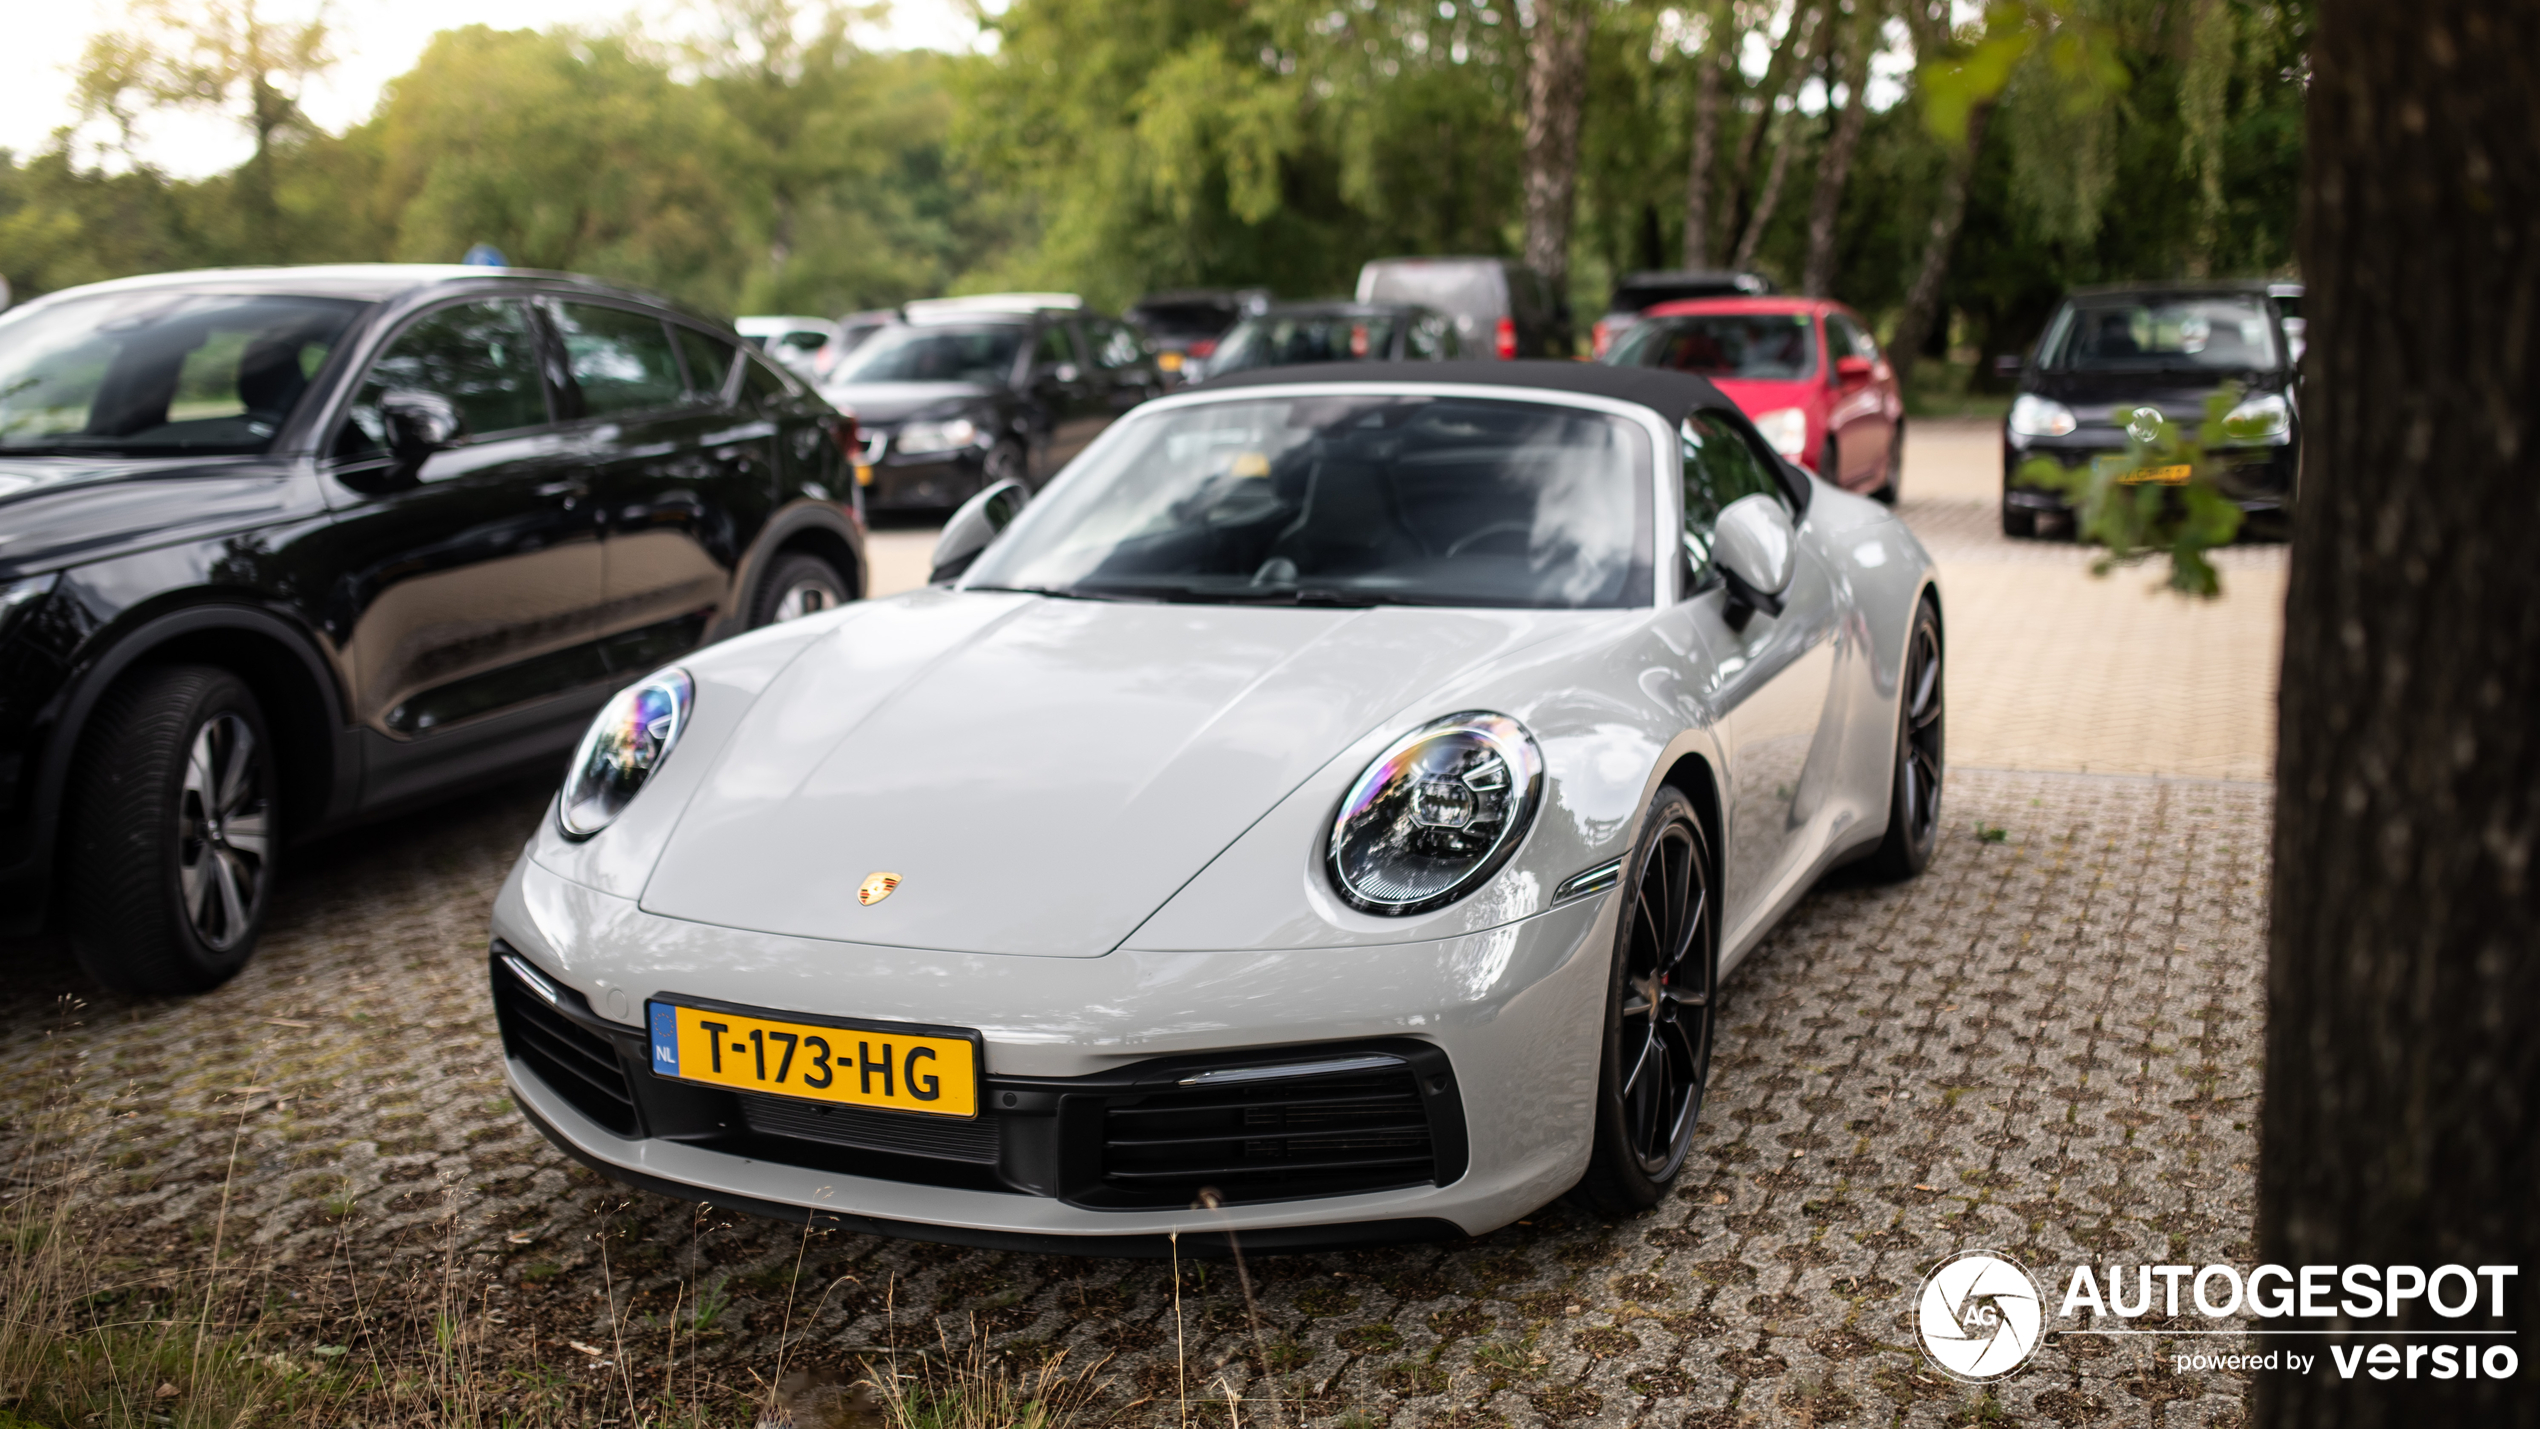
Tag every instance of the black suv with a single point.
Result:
(2116, 361)
(283, 549)
(969, 392)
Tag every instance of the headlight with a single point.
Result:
(2266, 417)
(633, 734)
(2035, 416)
(1435, 815)
(918, 438)
(1786, 428)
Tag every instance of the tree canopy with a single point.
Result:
(766, 161)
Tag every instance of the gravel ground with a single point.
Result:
(2048, 1045)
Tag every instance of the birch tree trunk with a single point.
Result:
(1836, 166)
(1556, 91)
(2402, 1115)
(1706, 139)
(1922, 299)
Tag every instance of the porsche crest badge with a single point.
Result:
(877, 886)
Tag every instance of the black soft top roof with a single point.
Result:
(1672, 395)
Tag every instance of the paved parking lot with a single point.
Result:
(2049, 1045)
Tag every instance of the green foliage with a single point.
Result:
(2128, 507)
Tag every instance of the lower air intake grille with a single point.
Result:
(904, 1133)
(579, 1064)
(1276, 1138)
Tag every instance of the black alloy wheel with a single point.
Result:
(2017, 524)
(171, 832)
(1913, 819)
(1830, 462)
(799, 584)
(1661, 1008)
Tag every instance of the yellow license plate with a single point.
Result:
(2155, 476)
(934, 1071)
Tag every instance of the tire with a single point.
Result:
(1922, 707)
(171, 832)
(1655, 1057)
(2017, 524)
(798, 584)
(1830, 463)
(1895, 467)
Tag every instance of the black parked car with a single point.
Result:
(284, 549)
(1287, 334)
(1184, 326)
(2117, 360)
(1637, 293)
(970, 392)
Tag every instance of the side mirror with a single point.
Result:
(1852, 371)
(1753, 544)
(419, 424)
(2007, 365)
(979, 521)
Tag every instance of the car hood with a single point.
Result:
(877, 403)
(2109, 398)
(1757, 398)
(62, 510)
(1041, 775)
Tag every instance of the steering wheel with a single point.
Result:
(1496, 528)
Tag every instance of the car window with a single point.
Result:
(479, 355)
(1720, 466)
(1845, 338)
(762, 382)
(1113, 344)
(2161, 333)
(1430, 339)
(1053, 348)
(1277, 339)
(622, 360)
(981, 354)
(155, 372)
(709, 361)
(1758, 347)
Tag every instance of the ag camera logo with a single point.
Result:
(1981, 1316)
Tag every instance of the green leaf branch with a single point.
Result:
(2133, 509)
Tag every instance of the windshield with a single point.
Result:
(161, 372)
(2162, 334)
(1273, 341)
(1356, 500)
(982, 354)
(1756, 347)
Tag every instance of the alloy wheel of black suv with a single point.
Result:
(294, 548)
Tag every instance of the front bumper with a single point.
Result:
(934, 481)
(1492, 1039)
(2259, 479)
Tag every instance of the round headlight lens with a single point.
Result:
(633, 734)
(1436, 815)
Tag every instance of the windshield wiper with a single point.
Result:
(1059, 592)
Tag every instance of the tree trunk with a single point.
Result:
(1556, 91)
(1792, 51)
(1706, 139)
(1922, 300)
(1766, 201)
(1818, 280)
(2402, 1115)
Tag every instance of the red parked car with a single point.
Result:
(1804, 370)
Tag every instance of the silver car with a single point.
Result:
(1324, 814)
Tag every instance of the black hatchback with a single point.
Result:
(2116, 362)
(285, 549)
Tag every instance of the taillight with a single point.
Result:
(1205, 347)
(1506, 343)
(1600, 337)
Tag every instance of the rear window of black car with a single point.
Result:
(161, 372)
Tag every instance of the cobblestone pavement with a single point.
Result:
(2049, 1045)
